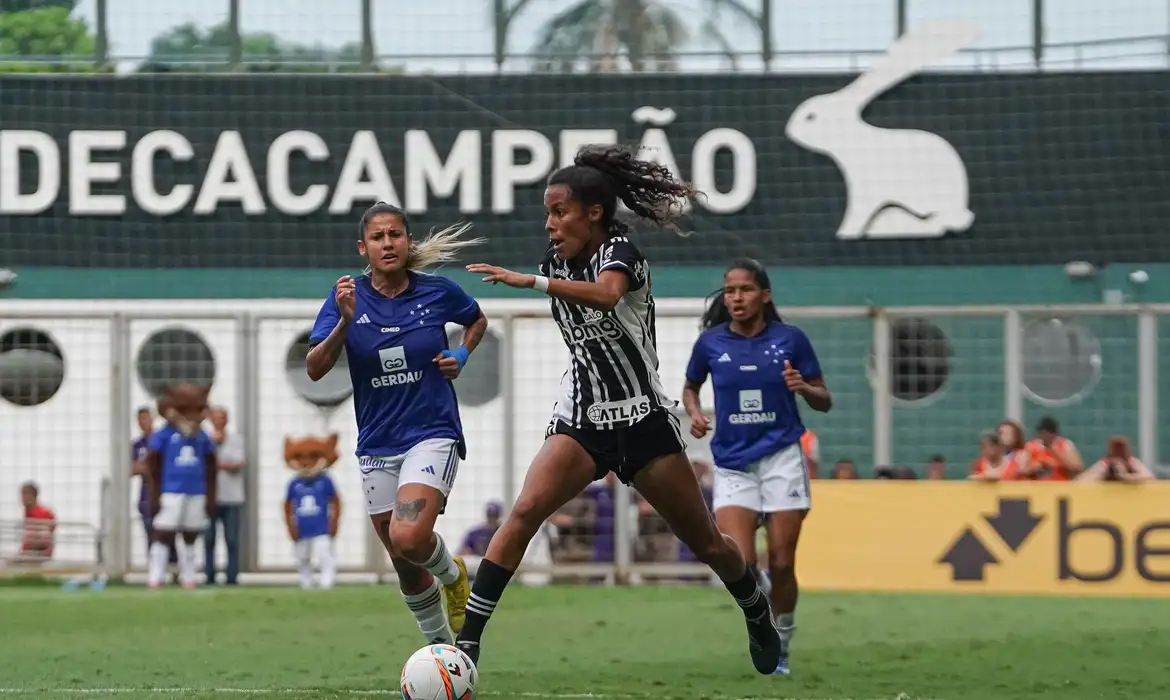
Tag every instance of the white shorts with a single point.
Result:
(432, 462)
(776, 483)
(181, 512)
(314, 550)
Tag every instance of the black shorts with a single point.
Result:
(626, 451)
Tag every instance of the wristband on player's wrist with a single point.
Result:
(540, 283)
(460, 354)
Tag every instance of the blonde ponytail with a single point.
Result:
(439, 247)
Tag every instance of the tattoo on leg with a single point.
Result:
(408, 511)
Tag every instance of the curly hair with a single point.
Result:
(602, 175)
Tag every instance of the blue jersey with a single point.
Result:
(399, 395)
(310, 499)
(184, 460)
(755, 413)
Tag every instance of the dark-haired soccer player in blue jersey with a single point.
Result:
(758, 366)
(390, 323)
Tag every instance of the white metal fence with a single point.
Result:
(947, 374)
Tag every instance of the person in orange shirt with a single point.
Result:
(1015, 445)
(994, 464)
(39, 523)
(810, 444)
(1050, 456)
(1118, 465)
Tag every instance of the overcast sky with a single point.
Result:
(405, 28)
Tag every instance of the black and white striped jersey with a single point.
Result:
(612, 381)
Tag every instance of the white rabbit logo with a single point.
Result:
(900, 183)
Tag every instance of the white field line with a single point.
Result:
(99, 692)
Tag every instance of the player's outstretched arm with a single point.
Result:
(603, 295)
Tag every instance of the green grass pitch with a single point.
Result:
(576, 642)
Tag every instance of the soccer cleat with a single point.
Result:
(765, 644)
(471, 649)
(457, 594)
(782, 667)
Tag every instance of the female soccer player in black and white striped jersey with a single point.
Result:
(613, 414)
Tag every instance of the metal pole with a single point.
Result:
(507, 381)
(766, 33)
(500, 34)
(1147, 388)
(368, 35)
(248, 389)
(883, 409)
(120, 450)
(900, 12)
(102, 43)
(1013, 366)
(1038, 33)
(236, 47)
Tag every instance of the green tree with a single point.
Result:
(25, 5)
(648, 32)
(190, 47)
(49, 37)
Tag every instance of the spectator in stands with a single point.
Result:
(36, 543)
(1118, 465)
(936, 468)
(229, 497)
(572, 530)
(994, 463)
(477, 538)
(1014, 445)
(810, 444)
(845, 469)
(655, 542)
(707, 483)
(1052, 457)
(138, 450)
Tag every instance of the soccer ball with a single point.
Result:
(438, 672)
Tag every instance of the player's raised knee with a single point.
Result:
(411, 540)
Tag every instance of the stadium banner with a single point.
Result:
(272, 171)
(1049, 538)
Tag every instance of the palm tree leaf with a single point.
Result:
(737, 9)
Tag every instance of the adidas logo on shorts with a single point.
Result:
(364, 319)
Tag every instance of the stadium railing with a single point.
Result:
(908, 382)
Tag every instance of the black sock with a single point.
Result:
(490, 582)
(747, 593)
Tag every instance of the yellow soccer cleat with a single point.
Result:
(457, 594)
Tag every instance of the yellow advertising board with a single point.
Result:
(1054, 538)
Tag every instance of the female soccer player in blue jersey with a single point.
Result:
(390, 322)
(758, 366)
(613, 414)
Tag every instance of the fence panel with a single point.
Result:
(55, 379)
(1082, 370)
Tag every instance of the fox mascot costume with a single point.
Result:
(312, 508)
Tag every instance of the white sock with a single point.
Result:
(441, 564)
(186, 562)
(327, 563)
(157, 563)
(428, 611)
(786, 623)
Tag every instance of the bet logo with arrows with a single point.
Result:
(969, 557)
